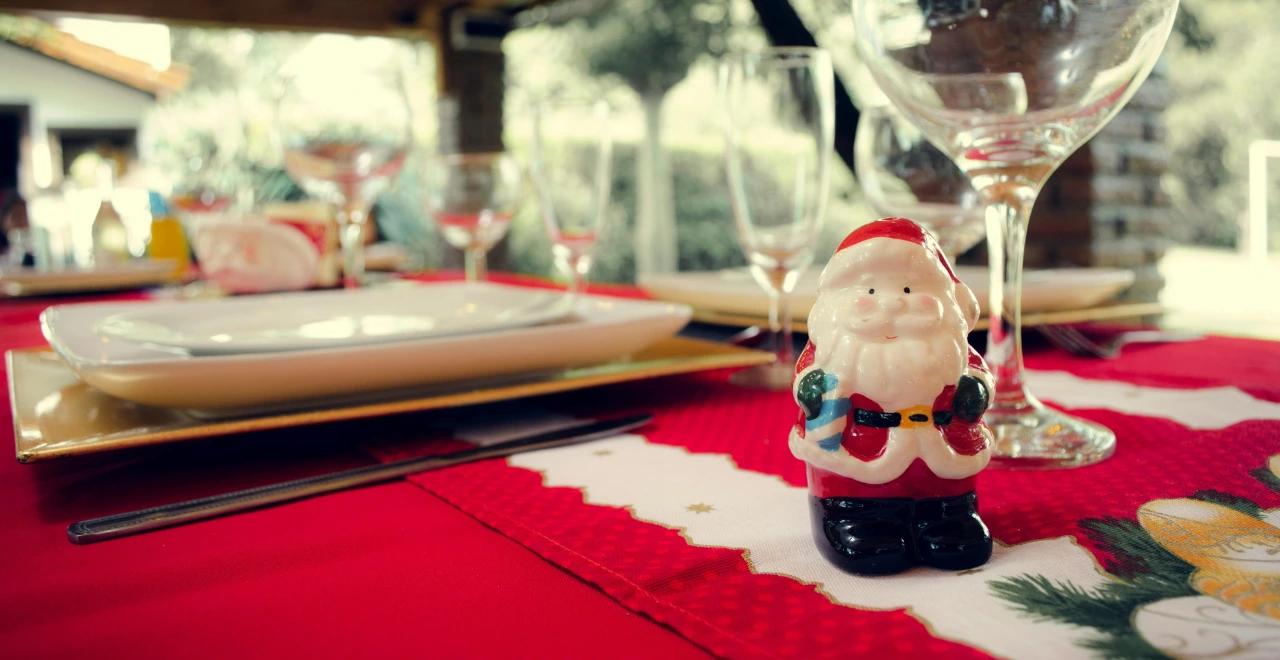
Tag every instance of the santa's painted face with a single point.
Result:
(896, 291)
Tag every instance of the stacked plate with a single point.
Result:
(262, 351)
(736, 292)
(21, 282)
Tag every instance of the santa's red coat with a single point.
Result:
(867, 443)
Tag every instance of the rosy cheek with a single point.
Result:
(925, 304)
(864, 304)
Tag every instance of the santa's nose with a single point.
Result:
(894, 304)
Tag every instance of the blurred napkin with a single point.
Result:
(253, 255)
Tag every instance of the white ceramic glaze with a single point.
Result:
(890, 326)
(600, 329)
(324, 319)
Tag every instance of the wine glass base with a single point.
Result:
(775, 377)
(1038, 437)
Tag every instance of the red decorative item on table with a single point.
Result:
(891, 398)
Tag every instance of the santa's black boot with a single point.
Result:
(863, 535)
(949, 534)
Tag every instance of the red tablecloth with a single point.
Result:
(693, 525)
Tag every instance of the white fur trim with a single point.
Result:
(903, 446)
(948, 463)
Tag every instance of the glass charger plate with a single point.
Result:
(55, 414)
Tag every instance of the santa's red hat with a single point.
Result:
(847, 254)
(901, 229)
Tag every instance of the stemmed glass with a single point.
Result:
(1008, 89)
(472, 197)
(902, 174)
(777, 107)
(345, 138)
(573, 176)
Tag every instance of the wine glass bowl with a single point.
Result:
(345, 127)
(778, 117)
(573, 177)
(1008, 89)
(901, 173)
(472, 197)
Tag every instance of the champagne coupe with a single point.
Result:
(573, 175)
(472, 197)
(345, 130)
(1008, 89)
(777, 110)
(903, 174)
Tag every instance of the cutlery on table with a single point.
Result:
(1071, 339)
(177, 513)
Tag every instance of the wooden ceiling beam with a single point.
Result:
(389, 17)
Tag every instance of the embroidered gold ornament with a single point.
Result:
(1237, 556)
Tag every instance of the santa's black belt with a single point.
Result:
(888, 420)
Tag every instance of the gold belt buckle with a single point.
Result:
(908, 423)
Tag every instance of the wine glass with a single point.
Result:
(777, 110)
(1008, 89)
(573, 178)
(472, 197)
(345, 128)
(903, 174)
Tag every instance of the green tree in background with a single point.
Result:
(1222, 68)
(650, 45)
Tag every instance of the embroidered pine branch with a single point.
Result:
(1133, 551)
(1243, 505)
(1107, 609)
(1267, 477)
(1046, 600)
(1125, 645)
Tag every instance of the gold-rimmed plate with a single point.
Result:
(55, 414)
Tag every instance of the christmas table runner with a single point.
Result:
(1171, 547)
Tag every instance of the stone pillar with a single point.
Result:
(1105, 206)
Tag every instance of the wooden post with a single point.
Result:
(470, 84)
(469, 80)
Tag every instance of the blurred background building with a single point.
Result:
(1163, 190)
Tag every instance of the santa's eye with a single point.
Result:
(906, 289)
(872, 292)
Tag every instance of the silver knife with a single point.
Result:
(168, 515)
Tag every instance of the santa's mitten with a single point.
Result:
(809, 392)
(971, 399)
(825, 415)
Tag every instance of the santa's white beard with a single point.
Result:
(895, 374)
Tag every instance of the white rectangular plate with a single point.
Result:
(599, 330)
(335, 319)
(735, 292)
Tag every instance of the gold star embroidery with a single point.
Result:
(602, 452)
(700, 508)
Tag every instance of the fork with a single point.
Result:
(1069, 338)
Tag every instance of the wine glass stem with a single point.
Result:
(351, 220)
(474, 261)
(1007, 214)
(780, 319)
(577, 276)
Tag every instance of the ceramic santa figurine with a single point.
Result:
(891, 398)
